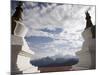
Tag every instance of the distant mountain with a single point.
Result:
(53, 61)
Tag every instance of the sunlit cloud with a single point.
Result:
(55, 28)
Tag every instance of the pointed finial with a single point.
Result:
(88, 20)
(87, 15)
(20, 3)
(19, 12)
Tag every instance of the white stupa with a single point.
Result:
(87, 56)
(20, 52)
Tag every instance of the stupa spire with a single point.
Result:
(88, 20)
(17, 16)
(19, 12)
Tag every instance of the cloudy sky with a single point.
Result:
(54, 29)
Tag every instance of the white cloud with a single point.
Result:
(71, 18)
